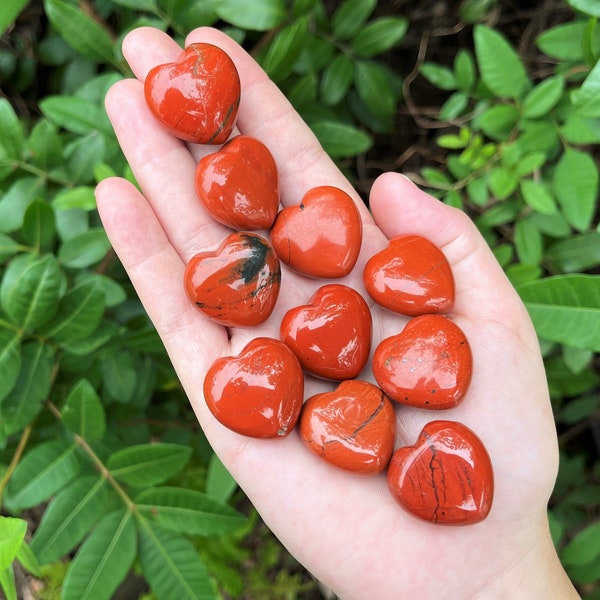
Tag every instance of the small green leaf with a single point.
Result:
(529, 163)
(45, 145)
(464, 70)
(565, 309)
(586, 99)
(498, 121)
(337, 79)
(9, 11)
(584, 547)
(219, 482)
(284, 50)
(255, 15)
(502, 182)
(340, 139)
(16, 200)
(372, 82)
(103, 560)
(538, 196)
(83, 154)
(81, 197)
(575, 254)
(378, 36)
(85, 249)
(528, 242)
(563, 41)
(543, 97)
(577, 359)
(350, 16)
(119, 376)
(83, 412)
(588, 7)
(454, 106)
(12, 130)
(73, 114)
(499, 64)
(12, 534)
(440, 76)
(38, 225)
(148, 464)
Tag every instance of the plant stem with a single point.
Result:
(15, 459)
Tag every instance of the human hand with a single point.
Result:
(345, 528)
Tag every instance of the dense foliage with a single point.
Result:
(95, 432)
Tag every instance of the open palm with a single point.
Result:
(345, 528)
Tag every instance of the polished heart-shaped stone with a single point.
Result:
(320, 237)
(239, 185)
(196, 98)
(331, 335)
(258, 393)
(236, 285)
(352, 427)
(411, 276)
(427, 365)
(446, 477)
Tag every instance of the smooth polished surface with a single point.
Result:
(197, 97)
(238, 284)
(352, 427)
(331, 335)
(238, 185)
(428, 364)
(258, 393)
(446, 477)
(320, 237)
(411, 276)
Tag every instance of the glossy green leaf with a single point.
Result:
(85, 249)
(103, 560)
(12, 534)
(499, 64)
(72, 113)
(10, 360)
(284, 50)
(15, 201)
(563, 41)
(543, 97)
(172, 566)
(148, 464)
(83, 412)
(30, 290)
(576, 187)
(575, 254)
(565, 309)
(188, 511)
(538, 196)
(379, 35)
(340, 139)
(586, 100)
(69, 517)
(12, 130)
(372, 82)
(350, 16)
(30, 389)
(255, 15)
(337, 79)
(43, 470)
(219, 482)
(81, 32)
(440, 76)
(38, 225)
(9, 11)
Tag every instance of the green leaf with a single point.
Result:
(378, 36)
(85, 249)
(119, 376)
(576, 187)
(577, 359)
(464, 70)
(73, 114)
(373, 86)
(563, 41)
(38, 225)
(147, 5)
(501, 68)
(83, 154)
(575, 254)
(528, 242)
(12, 130)
(31, 388)
(543, 97)
(16, 200)
(454, 106)
(8, 247)
(498, 121)
(80, 31)
(538, 196)
(148, 464)
(336, 80)
(255, 15)
(584, 547)
(502, 182)
(9, 11)
(172, 566)
(27, 558)
(586, 100)
(440, 76)
(45, 145)
(188, 511)
(219, 482)
(588, 7)
(103, 560)
(7, 583)
(43, 470)
(83, 412)
(529, 163)
(350, 16)
(81, 197)
(565, 309)
(69, 517)
(10, 360)
(12, 534)
(284, 50)
(30, 290)
(340, 139)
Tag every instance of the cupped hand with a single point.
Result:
(345, 528)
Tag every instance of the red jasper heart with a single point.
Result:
(196, 98)
(258, 393)
(352, 427)
(331, 335)
(322, 236)
(411, 276)
(427, 365)
(446, 477)
(238, 185)
(238, 284)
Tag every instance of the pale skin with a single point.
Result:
(346, 529)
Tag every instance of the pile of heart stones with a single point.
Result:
(446, 476)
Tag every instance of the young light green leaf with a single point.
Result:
(464, 70)
(538, 196)
(27, 558)
(148, 464)
(38, 225)
(565, 309)
(378, 36)
(12, 534)
(575, 254)
(350, 16)
(502, 182)
(7, 583)
(30, 290)
(103, 560)
(563, 41)
(10, 360)
(587, 7)
(172, 566)
(81, 197)
(9, 11)
(255, 15)
(440, 76)
(499, 64)
(80, 31)
(340, 139)
(83, 412)
(44, 470)
(12, 130)
(85, 249)
(586, 99)
(543, 97)
(284, 50)
(188, 511)
(373, 86)
(15, 201)
(219, 482)
(454, 106)
(576, 187)
(528, 242)
(336, 79)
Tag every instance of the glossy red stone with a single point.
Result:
(238, 284)
(429, 364)
(196, 98)
(446, 477)
(322, 236)
(411, 276)
(352, 427)
(331, 335)
(258, 393)
(238, 185)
